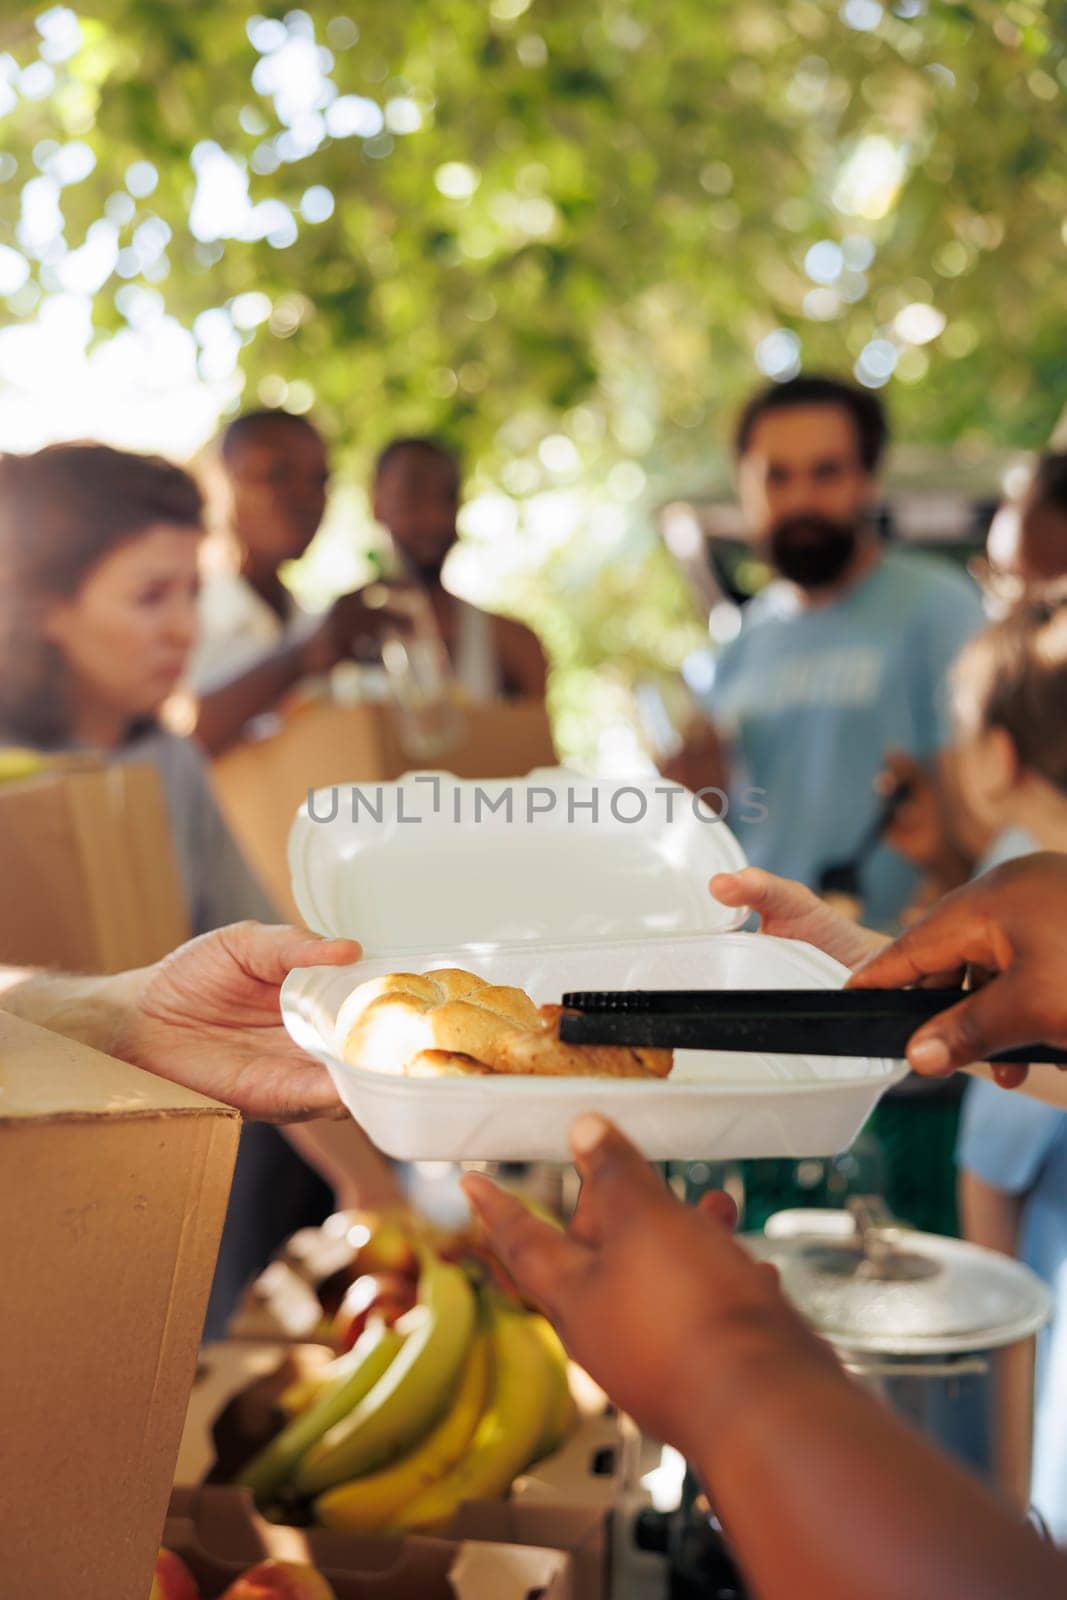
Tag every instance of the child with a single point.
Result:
(1026, 557)
(1011, 706)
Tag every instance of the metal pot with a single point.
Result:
(944, 1332)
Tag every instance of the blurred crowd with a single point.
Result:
(903, 719)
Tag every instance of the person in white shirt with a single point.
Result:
(255, 643)
(416, 496)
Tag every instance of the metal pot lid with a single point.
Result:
(892, 1290)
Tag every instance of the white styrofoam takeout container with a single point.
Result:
(554, 900)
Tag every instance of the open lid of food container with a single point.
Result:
(883, 1289)
(436, 862)
(555, 882)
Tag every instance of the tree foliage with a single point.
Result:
(631, 189)
(560, 217)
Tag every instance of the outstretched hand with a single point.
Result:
(658, 1302)
(788, 910)
(208, 1017)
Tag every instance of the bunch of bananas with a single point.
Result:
(17, 763)
(449, 1403)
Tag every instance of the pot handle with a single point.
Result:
(966, 1367)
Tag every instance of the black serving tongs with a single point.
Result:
(810, 1022)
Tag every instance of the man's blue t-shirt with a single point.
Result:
(812, 698)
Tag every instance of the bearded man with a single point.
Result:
(842, 659)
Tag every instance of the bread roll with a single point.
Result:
(450, 1023)
(545, 1053)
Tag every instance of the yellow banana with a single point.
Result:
(508, 1433)
(363, 1368)
(561, 1413)
(408, 1400)
(366, 1504)
(17, 762)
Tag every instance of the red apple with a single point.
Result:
(383, 1294)
(280, 1580)
(172, 1579)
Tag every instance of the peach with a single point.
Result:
(172, 1579)
(280, 1580)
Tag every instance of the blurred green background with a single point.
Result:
(568, 236)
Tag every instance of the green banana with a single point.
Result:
(364, 1366)
(524, 1385)
(366, 1504)
(302, 1393)
(413, 1393)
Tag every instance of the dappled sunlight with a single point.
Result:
(541, 235)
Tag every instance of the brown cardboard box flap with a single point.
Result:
(218, 1534)
(492, 1571)
(225, 1373)
(261, 784)
(43, 1075)
(111, 1206)
(581, 1530)
(89, 872)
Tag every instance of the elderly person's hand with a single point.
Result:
(208, 1016)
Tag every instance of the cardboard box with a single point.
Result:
(113, 1187)
(218, 1534)
(583, 1532)
(261, 784)
(90, 879)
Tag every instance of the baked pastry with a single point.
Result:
(450, 1023)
